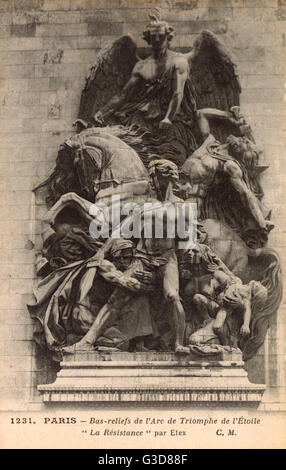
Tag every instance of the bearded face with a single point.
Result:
(244, 150)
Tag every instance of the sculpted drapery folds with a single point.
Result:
(163, 128)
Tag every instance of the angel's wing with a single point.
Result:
(108, 75)
(214, 79)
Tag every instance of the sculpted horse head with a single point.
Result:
(96, 164)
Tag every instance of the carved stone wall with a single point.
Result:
(46, 49)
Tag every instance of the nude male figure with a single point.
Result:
(213, 158)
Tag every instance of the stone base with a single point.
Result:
(154, 378)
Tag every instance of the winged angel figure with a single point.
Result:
(163, 91)
(169, 106)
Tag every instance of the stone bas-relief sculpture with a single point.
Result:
(165, 128)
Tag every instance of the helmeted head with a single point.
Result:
(122, 252)
(157, 31)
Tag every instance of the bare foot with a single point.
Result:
(180, 349)
(81, 346)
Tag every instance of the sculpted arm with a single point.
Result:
(108, 271)
(245, 329)
(203, 115)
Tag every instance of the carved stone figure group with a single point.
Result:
(163, 128)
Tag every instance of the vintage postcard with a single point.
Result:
(142, 224)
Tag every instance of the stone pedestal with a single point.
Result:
(154, 378)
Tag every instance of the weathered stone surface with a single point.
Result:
(103, 28)
(52, 30)
(23, 30)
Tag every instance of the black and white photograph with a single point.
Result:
(142, 224)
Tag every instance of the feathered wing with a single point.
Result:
(108, 75)
(214, 79)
